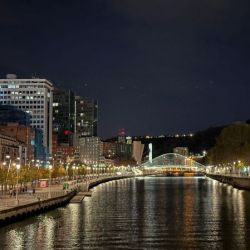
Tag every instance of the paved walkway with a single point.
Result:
(7, 201)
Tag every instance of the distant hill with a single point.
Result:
(200, 141)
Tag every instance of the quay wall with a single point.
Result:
(20, 212)
(102, 180)
(240, 182)
(16, 213)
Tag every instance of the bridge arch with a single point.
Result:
(174, 161)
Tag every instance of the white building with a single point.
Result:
(35, 96)
(90, 150)
(138, 148)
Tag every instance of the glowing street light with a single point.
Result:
(74, 169)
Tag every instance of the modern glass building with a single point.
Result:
(64, 115)
(86, 119)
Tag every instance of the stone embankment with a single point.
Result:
(80, 190)
(237, 181)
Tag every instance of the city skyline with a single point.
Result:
(155, 68)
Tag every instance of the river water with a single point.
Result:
(142, 213)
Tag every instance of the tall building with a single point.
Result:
(35, 96)
(63, 115)
(90, 150)
(86, 116)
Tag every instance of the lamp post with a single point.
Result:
(50, 167)
(74, 168)
(17, 169)
(8, 158)
(67, 171)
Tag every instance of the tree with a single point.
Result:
(231, 145)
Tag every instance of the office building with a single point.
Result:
(63, 116)
(86, 116)
(90, 150)
(34, 96)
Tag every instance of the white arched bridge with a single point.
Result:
(173, 163)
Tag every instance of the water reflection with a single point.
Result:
(142, 213)
(15, 240)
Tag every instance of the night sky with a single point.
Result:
(155, 66)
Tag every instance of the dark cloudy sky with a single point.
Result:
(156, 66)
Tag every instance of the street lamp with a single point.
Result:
(50, 167)
(9, 165)
(74, 168)
(67, 170)
(17, 169)
(9, 159)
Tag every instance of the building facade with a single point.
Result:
(109, 149)
(64, 115)
(86, 116)
(62, 152)
(138, 149)
(90, 150)
(34, 96)
(23, 134)
(11, 150)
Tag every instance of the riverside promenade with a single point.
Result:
(9, 201)
(237, 181)
(43, 199)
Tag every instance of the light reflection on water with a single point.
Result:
(142, 213)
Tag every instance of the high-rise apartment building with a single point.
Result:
(64, 115)
(86, 118)
(35, 96)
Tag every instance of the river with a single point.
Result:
(142, 213)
